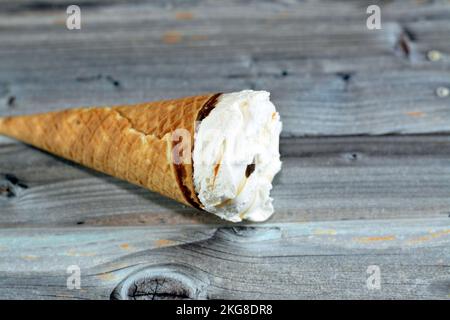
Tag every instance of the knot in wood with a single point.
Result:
(166, 282)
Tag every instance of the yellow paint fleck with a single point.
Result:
(30, 257)
(439, 234)
(416, 114)
(325, 232)
(430, 236)
(184, 15)
(126, 246)
(419, 239)
(74, 253)
(172, 37)
(375, 239)
(164, 243)
(106, 277)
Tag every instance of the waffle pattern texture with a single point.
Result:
(135, 143)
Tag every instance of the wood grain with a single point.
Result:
(309, 260)
(322, 179)
(327, 76)
(365, 148)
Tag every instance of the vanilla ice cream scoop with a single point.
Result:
(236, 156)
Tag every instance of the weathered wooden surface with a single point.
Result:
(366, 150)
(322, 179)
(327, 73)
(310, 260)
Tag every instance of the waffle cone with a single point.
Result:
(135, 143)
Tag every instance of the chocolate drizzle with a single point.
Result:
(180, 169)
(207, 108)
(181, 176)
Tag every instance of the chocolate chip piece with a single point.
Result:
(249, 170)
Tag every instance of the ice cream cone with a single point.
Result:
(136, 143)
(216, 152)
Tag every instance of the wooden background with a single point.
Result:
(365, 148)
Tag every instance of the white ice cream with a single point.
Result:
(243, 129)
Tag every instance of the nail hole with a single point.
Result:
(11, 101)
(114, 82)
(345, 76)
(442, 92)
(352, 156)
(434, 55)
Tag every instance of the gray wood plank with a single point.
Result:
(307, 260)
(344, 200)
(322, 179)
(328, 76)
